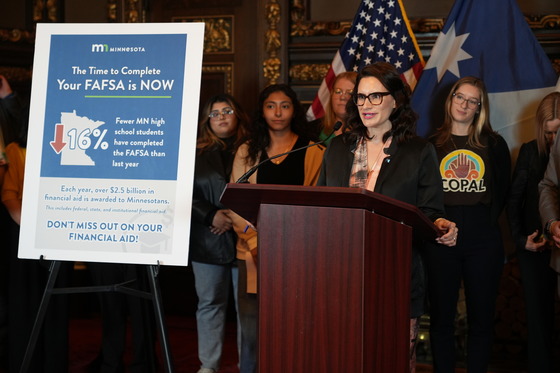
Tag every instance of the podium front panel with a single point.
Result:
(333, 290)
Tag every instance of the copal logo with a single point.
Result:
(462, 171)
(100, 48)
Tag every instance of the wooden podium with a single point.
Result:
(333, 276)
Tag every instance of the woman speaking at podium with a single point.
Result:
(381, 152)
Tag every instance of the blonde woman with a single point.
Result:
(539, 259)
(475, 166)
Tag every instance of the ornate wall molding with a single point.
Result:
(112, 10)
(133, 11)
(45, 11)
(536, 23)
(426, 25)
(544, 22)
(218, 32)
(225, 69)
(273, 43)
(308, 72)
(319, 28)
(130, 11)
(299, 26)
(17, 36)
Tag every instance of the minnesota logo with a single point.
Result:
(462, 171)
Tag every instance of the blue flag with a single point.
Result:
(490, 40)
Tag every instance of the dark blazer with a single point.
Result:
(210, 178)
(410, 174)
(523, 202)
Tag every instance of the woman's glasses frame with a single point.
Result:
(224, 112)
(343, 93)
(375, 98)
(471, 102)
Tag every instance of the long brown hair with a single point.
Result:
(481, 120)
(259, 136)
(207, 139)
(403, 118)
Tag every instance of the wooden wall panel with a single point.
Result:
(232, 40)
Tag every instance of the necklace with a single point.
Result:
(453, 141)
(377, 158)
(290, 146)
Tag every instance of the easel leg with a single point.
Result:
(55, 266)
(152, 277)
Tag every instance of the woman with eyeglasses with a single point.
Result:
(335, 110)
(533, 250)
(474, 162)
(382, 153)
(212, 241)
(279, 127)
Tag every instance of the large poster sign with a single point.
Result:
(112, 137)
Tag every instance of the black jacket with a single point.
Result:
(523, 202)
(210, 178)
(410, 174)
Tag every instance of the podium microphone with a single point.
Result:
(245, 177)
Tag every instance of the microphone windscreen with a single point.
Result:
(337, 126)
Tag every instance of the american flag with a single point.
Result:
(380, 32)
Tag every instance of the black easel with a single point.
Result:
(154, 295)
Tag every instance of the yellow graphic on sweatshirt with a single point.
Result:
(462, 171)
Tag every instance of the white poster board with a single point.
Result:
(111, 145)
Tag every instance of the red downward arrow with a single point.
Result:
(58, 144)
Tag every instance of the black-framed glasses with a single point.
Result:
(340, 92)
(224, 112)
(375, 98)
(471, 102)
